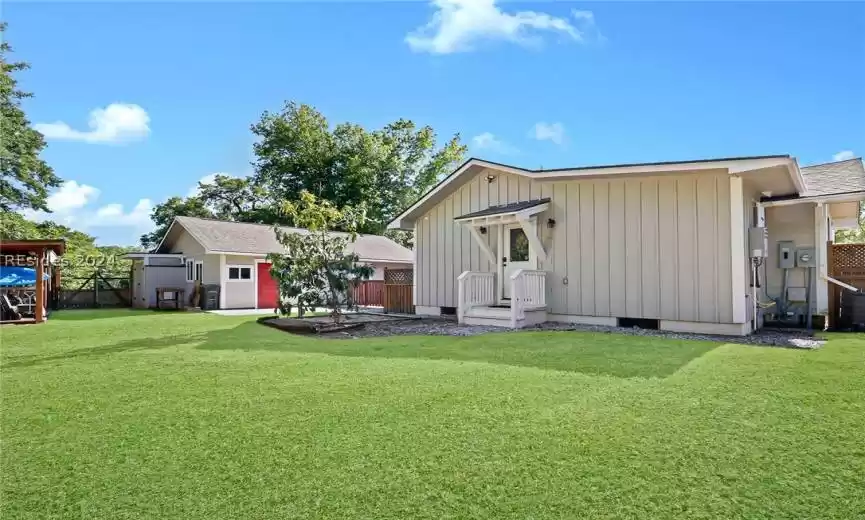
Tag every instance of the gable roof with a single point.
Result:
(241, 238)
(504, 208)
(834, 178)
(405, 220)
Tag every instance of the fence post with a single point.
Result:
(833, 289)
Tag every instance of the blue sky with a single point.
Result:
(175, 86)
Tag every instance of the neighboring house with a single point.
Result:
(663, 243)
(233, 256)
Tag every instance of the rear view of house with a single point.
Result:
(705, 246)
(233, 256)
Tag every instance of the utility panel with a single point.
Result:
(758, 242)
(797, 294)
(806, 257)
(786, 254)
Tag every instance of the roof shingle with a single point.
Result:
(834, 178)
(259, 239)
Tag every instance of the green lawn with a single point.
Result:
(194, 416)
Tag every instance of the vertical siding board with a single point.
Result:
(560, 249)
(587, 246)
(513, 188)
(706, 241)
(668, 248)
(687, 230)
(421, 244)
(465, 207)
(724, 252)
(434, 257)
(602, 248)
(545, 190)
(525, 192)
(448, 252)
(459, 237)
(572, 219)
(633, 250)
(440, 256)
(474, 205)
(650, 286)
(618, 257)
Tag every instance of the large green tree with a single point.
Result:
(385, 168)
(83, 257)
(24, 178)
(163, 215)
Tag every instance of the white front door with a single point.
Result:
(516, 255)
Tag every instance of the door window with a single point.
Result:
(519, 244)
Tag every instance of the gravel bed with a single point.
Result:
(789, 338)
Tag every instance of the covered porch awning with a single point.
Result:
(522, 213)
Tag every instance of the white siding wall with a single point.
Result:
(239, 294)
(648, 247)
(796, 223)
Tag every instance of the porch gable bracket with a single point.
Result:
(482, 243)
(530, 228)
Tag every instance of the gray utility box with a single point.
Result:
(806, 257)
(786, 254)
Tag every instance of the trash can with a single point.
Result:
(209, 297)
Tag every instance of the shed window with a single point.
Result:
(190, 270)
(239, 273)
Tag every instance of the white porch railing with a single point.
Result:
(475, 289)
(528, 291)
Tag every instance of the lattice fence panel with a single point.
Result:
(399, 276)
(848, 260)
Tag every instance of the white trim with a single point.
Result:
(223, 277)
(733, 166)
(500, 266)
(229, 267)
(152, 255)
(696, 327)
(821, 232)
(423, 310)
(414, 268)
(841, 284)
(530, 228)
(255, 277)
(167, 231)
(186, 264)
(855, 196)
(583, 320)
(485, 247)
(506, 217)
(738, 248)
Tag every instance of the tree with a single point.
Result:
(386, 169)
(163, 215)
(83, 257)
(317, 269)
(232, 198)
(24, 178)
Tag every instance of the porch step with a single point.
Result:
(501, 317)
(490, 312)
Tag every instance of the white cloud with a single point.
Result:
(116, 123)
(554, 132)
(459, 25)
(844, 155)
(71, 196)
(488, 141)
(73, 205)
(113, 215)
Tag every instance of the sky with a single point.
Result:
(139, 101)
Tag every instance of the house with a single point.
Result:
(710, 246)
(233, 255)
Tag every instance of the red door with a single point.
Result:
(268, 292)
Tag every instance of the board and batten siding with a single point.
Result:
(644, 247)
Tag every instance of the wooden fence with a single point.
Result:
(93, 293)
(846, 263)
(370, 293)
(399, 290)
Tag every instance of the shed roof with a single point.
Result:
(259, 239)
(513, 207)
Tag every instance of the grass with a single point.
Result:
(151, 415)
